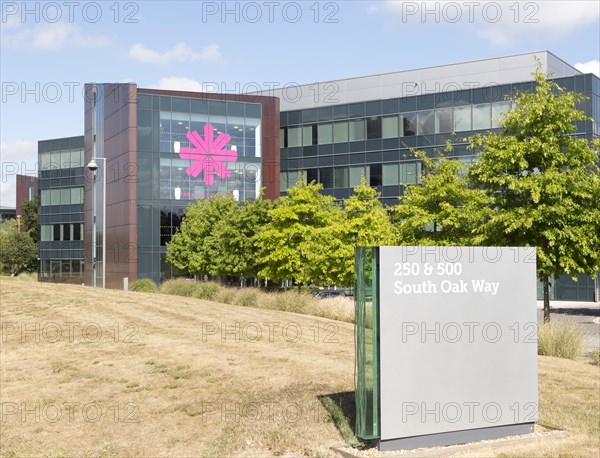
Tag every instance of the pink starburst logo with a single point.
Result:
(208, 155)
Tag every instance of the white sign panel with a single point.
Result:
(458, 339)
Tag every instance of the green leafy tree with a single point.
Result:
(194, 247)
(235, 251)
(18, 252)
(364, 222)
(29, 218)
(294, 232)
(544, 182)
(445, 209)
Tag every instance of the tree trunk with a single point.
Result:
(546, 299)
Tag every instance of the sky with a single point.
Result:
(49, 50)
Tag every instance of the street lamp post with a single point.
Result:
(93, 166)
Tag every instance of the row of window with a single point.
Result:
(245, 133)
(438, 121)
(349, 177)
(61, 268)
(62, 196)
(61, 232)
(199, 106)
(61, 159)
(244, 181)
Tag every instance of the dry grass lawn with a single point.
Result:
(96, 373)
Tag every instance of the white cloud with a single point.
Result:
(593, 66)
(18, 158)
(548, 19)
(179, 53)
(51, 37)
(180, 83)
(499, 23)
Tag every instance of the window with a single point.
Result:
(326, 177)
(373, 127)
(409, 122)
(340, 132)
(45, 161)
(282, 138)
(312, 175)
(55, 197)
(66, 232)
(180, 126)
(355, 175)
(357, 130)
(462, 118)
(309, 135)
(56, 235)
(294, 176)
(77, 158)
(78, 231)
(410, 172)
(45, 197)
(76, 196)
(294, 137)
(443, 120)
(325, 134)
(65, 196)
(165, 132)
(340, 179)
(283, 181)
(498, 108)
(45, 233)
(482, 115)
(65, 160)
(375, 174)
(390, 127)
(425, 122)
(390, 174)
(55, 160)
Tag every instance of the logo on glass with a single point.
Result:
(208, 154)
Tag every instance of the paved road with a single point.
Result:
(585, 314)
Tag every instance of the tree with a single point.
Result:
(29, 218)
(18, 252)
(364, 222)
(544, 182)
(294, 232)
(194, 247)
(445, 209)
(235, 251)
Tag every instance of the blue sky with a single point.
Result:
(50, 49)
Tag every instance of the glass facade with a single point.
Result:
(61, 180)
(167, 183)
(374, 139)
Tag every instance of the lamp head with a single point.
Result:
(92, 165)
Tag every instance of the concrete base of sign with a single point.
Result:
(456, 437)
(541, 435)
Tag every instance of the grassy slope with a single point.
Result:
(192, 393)
(189, 392)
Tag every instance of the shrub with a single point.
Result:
(226, 296)
(246, 298)
(334, 308)
(288, 302)
(179, 287)
(206, 290)
(562, 340)
(143, 285)
(596, 357)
